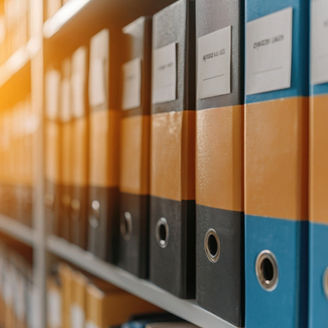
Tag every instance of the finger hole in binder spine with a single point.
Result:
(94, 219)
(325, 282)
(126, 225)
(212, 245)
(162, 232)
(266, 268)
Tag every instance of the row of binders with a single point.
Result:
(15, 26)
(153, 163)
(77, 300)
(17, 289)
(18, 126)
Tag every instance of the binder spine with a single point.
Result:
(103, 145)
(318, 222)
(134, 155)
(276, 178)
(172, 200)
(219, 160)
(80, 155)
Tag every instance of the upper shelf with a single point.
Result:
(16, 230)
(18, 60)
(185, 309)
(63, 16)
(77, 16)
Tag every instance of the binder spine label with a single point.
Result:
(319, 41)
(214, 63)
(269, 52)
(131, 72)
(165, 73)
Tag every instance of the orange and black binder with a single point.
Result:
(134, 151)
(172, 189)
(65, 152)
(80, 137)
(104, 144)
(219, 158)
(52, 155)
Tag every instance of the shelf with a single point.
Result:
(185, 309)
(76, 17)
(16, 230)
(62, 17)
(18, 60)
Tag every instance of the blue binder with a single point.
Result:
(276, 170)
(318, 206)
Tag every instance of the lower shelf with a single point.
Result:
(185, 309)
(16, 230)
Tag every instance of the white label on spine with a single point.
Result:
(319, 41)
(98, 83)
(54, 309)
(214, 64)
(90, 324)
(77, 316)
(131, 72)
(269, 52)
(164, 74)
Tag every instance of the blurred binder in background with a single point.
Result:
(66, 168)
(104, 144)
(80, 158)
(52, 152)
(134, 156)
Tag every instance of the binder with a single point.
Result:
(172, 190)
(143, 320)
(106, 307)
(219, 158)
(318, 222)
(276, 163)
(66, 168)
(29, 130)
(54, 302)
(171, 325)
(104, 144)
(134, 150)
(52, 151)
(80, 158)
(66, 279)
(79, 300)
(52, 6)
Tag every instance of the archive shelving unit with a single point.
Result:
(72, 20)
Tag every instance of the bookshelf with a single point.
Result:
(71, 19)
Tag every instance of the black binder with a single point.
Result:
(219, 158)
(104, 119)
(134, 150)
(172, 208)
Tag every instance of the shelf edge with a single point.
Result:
(185, 309)
(17, 230)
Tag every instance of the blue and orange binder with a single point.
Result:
(276, 163)
(318, 205)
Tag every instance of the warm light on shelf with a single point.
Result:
(63, 15)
